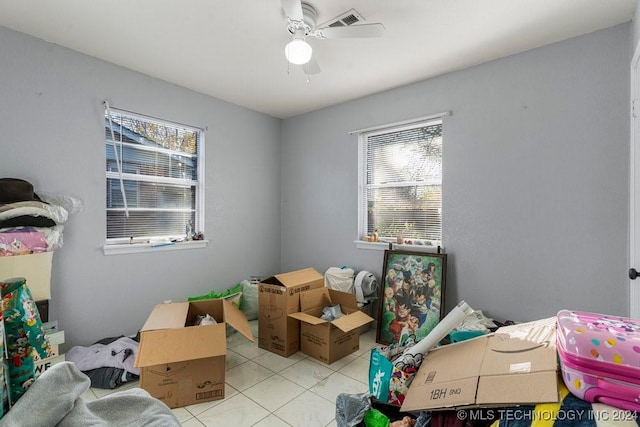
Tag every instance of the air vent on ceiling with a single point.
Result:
(349, 17)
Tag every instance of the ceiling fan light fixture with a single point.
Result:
(298, 51)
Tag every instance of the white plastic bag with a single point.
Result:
(331, 313)
(205, 320)
(339, 279)
(249, 302)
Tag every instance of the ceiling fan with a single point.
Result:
(301, 18)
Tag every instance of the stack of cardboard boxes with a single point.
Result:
(279, 296)
(182, 364)
(291, 305)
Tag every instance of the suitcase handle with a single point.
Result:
(622, 404)
(615, 395)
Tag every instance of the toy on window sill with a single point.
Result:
(372, 238)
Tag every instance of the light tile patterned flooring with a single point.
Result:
(266, 390)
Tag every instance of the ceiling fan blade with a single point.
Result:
(293, 9)
(353, 31)
(311, 67)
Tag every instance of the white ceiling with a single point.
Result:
(234, 49)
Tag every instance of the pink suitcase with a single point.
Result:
(600, 357)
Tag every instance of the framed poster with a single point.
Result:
(412, 296)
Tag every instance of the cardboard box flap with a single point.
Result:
(315, 300)
(345, 299)
(352, 321)
(488, 370)
(237, 320)
(507, 356)
(212, 307)
(454, 361)
(307, 318)
(167, 316)
(158, 347)
(447, 377)
(532, 388)
(455, 393)
(294, 278)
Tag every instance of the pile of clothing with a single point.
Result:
(31, 223)
(109, 362)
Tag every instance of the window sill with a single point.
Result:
(415, 248)
(152, 247)
(377, 246)
(382, 246)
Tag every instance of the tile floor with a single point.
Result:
(267, 390)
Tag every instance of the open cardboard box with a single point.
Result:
(506, 368)
(182, 364)
(324, 340)
(279, 296)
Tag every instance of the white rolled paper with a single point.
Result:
(446, 325)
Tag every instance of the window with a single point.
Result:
(400, 191)
(153, 179)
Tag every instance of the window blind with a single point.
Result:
(159, 165)
(403, 181)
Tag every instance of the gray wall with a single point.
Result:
(51, 119)
(535, 205)
(535, 180)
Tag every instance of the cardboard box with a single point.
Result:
(490, 370)
(325, 340)
(182, 364)
(279, 296)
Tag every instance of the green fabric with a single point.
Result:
(218, 295)
(375, 418)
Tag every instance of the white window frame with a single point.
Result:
(363, 134)
(125, 246)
